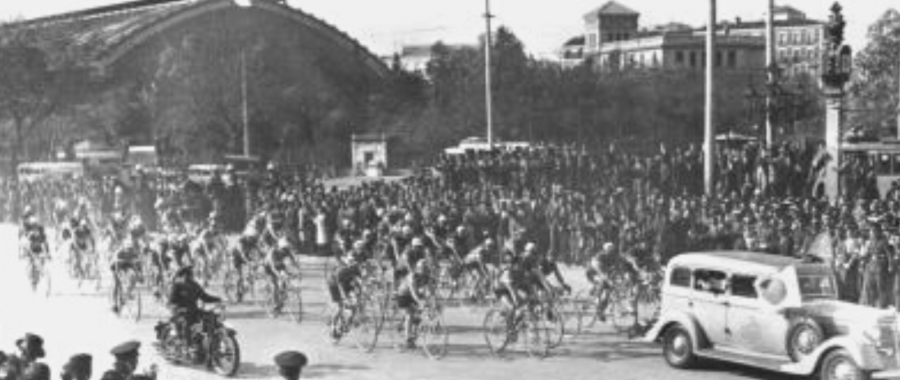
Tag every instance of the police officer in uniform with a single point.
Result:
(290, 364)
(126, 361)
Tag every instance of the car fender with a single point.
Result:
(681, 318)
(860, 349)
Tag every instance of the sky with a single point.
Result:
(542, 25)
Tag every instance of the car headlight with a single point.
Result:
(882, 337)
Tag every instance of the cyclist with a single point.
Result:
(602, 267)
(541, 268)
(33, 237)
(514, 287)
(411, 294)
(81, 240)
(127, 260)
(411, 256)
(476, 259)
(344, 286)
(276, 268)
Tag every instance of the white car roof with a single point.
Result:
(740, 261)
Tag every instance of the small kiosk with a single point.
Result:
(369, 155)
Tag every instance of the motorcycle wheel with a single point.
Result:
(225, 355)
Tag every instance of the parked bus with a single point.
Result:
(39, 171)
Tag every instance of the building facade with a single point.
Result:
(614, 39)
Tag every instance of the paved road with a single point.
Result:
(77, 319)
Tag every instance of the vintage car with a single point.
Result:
(773, 312)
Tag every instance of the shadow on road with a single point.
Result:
(713, 366)
(326, 370)
(256, 371)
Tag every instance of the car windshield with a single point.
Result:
(817, 287)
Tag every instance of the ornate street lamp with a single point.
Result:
(837, 60)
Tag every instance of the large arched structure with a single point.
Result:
(103, 36)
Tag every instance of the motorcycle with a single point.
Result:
(210, 342)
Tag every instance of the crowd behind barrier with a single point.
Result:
(567, 200)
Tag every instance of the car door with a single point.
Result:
(709, 303)
(751, 325)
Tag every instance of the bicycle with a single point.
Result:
(126, 297)
(360, 317)
(614, 302)
(38, 275)
(430, 330)
(287, 301)
(535, 320)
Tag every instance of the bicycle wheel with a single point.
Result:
(537, 335)
(366, 327)
(586, 306)
(553, 322)
(293, 303)
(434, 335)
(620, 310)
(46, 281)
(648, 304)
(230, 286)
(446, 285)
(496, 329)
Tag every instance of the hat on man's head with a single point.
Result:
(32, 343)
(127, 349)
(291, 359)
(79, 363)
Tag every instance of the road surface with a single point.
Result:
(74, 320)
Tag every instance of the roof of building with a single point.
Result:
(786, 9)
(610, 8)
(575, 41)
(103, 33)
(759, 24)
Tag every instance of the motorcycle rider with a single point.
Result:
(183, 302)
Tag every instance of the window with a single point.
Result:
(680, 277)
(693, 59)
(782, 38)
(592, 40)
(796, 38)
(884, 164)
(712, 281)
(679, 57)
(732, 59)
(718, 62)
(743, 286)
(814, 36)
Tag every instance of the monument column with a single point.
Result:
(836, 66)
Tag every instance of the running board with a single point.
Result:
(766, 362)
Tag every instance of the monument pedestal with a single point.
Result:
(834, 114)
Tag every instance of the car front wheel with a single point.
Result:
(678, 347)
(839, 365)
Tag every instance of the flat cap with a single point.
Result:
(79, 362)
(291, 359)
(127, 348)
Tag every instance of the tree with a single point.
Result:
(33, 87)
(876, 83)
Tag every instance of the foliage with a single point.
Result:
(876, 85)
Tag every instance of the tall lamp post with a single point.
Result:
(488, 101)
(709, 145)
(836, 68)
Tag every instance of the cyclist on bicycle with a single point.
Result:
(33, 237)
(476, 259)
(541, 268)
(514, 285)
(344, 286)
(603, 266)
(126, 260)
(276, 267)
(411, 256)
(411, 294)
(80, 238)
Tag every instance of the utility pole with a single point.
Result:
(488, 103)
(710, 127)
(898, 96)
(245, 114)
(771, 71)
